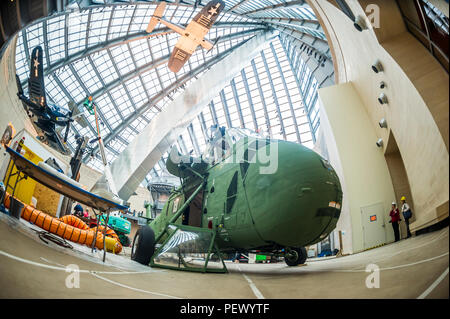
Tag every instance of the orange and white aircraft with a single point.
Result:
(192, 36)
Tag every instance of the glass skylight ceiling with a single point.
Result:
(103, 51)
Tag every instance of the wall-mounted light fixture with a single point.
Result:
(383, 99)
(360, 23)
(377, 66)
(380, 142)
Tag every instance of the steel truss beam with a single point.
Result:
(128, 38)
(249, 98)
(261, 93)
(275, 7)
(274, 94)
(159, 96)
(306, 24)
(299, 85)
(291, 106)
(134, 163)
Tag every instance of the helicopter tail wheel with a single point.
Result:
(143, 245)
(295, 256)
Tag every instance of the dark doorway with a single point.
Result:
(193, 214)
(399, 178)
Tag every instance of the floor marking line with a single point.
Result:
(389, 254)
(432, 240)
(252, 285)
(433, 285)
(93, 273)
(51, 262)
(30, 262)
(393, 267)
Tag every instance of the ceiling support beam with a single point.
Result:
(213, 112)
(298, 80)
(193, 138)
(274, 7)
(237, 5)
(225, 108)
(128, 38)
(307, 25)
(274, 95)
(159, 96)
(287, 93)
(238, 104)
(324, 74)
(250, 100)
(261, 93)
(201, 119)
(133, 164)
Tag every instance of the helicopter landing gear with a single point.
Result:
(143, 245)
(295, 256)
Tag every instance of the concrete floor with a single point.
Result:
(413, 268)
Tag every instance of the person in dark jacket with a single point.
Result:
(78, 210)
(407, 214)
(395, 219)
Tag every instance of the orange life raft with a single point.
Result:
(69, 227)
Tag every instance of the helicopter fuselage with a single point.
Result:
(292, 200)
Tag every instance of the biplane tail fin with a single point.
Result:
(36, 86)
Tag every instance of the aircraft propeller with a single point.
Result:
(68, 127)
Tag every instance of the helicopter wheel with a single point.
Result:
(143, 245)
(295, 256)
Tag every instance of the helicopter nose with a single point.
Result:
(297, 201)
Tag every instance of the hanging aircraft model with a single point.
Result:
(192, 36)
(46, 117)
(237, 198)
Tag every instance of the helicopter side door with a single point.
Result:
(174, 202)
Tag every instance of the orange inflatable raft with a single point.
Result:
(70, 227)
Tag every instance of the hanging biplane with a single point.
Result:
(192, 36)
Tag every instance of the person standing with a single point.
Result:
(78, 210)
(407, 214)
(395, 218)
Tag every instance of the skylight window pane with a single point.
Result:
(77, 31)
(98, 27)
(55, 36)
(129, 91)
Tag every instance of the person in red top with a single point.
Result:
(395, 218)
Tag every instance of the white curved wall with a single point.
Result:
(411, 113)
